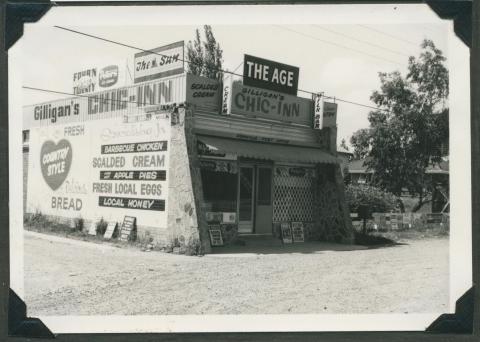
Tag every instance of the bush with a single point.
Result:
(376, 199)
(101, 227)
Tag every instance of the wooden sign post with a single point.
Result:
(216, 239)
(297, 231)
(127, 230)
(110, 230)
(286, 232)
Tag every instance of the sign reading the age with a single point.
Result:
(263, 73)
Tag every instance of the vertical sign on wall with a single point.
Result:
(329, 114)
(318, 111)
(227, 94)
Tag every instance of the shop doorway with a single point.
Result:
(255, 199)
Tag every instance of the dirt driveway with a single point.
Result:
(67, 277)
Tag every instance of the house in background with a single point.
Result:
(357, 172)
(345, 157)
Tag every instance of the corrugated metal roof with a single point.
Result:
(275, 152)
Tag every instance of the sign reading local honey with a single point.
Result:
(267, 74)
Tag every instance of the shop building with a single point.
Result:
(187, 155)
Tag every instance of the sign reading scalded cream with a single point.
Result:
(271, 105)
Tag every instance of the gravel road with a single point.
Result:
(67, 277)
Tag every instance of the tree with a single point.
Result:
(205, 57)
(408, 130)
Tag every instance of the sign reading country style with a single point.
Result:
(267, 74)
(161, 62)
(270, 105)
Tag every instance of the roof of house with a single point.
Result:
(358, 166)
(340, 149)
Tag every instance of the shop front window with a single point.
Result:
(220, 190)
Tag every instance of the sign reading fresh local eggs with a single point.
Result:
(270, 105)
(160, 62)
(101, 168)
(266, 74)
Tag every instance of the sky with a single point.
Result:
(341, 60)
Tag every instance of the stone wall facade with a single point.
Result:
(332, 217)
(186, 220)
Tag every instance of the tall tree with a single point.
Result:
(206, 57)
(407, 132)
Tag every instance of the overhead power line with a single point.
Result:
(362, 41)
(389, 35)
(339, 45)
(187, 61)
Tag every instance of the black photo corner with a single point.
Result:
(465, 320)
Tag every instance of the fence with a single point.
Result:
(404, 221)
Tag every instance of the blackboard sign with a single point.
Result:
(110, 230)
(297, 231)
(215, 236)
(286, 232)
(128, 228)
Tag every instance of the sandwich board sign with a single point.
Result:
(297, 231)
(128, 227)
(92, 230)
(110, 230)
(286, 232)
(216, 239)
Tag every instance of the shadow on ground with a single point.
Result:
(275, 246)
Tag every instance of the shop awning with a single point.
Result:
(274, 152)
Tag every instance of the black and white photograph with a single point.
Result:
(240, 168)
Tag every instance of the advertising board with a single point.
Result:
(325, 113)
(267, 74)
(160, 62)
(270, 105)
(106, 104)
(101, 168)
(90, 80)
(203, 92)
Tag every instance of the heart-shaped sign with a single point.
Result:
(55, 161)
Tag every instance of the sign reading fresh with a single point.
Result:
(267, 74)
